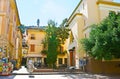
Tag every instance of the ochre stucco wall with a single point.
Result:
(103, 67)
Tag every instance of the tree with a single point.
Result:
(22, 28)
(104, 39)
(53, 42)
(55, 36)
(63, 31)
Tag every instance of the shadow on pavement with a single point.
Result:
(7, 77)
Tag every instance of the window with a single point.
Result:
(61, 49)
(83, 6)
(32, 37)
(65, 60)
(71, 37)
(84, 22)
(85, 35)
(118, 11)
(1, 5)
(60, 60)
(32, 48)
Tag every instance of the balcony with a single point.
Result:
(2, 13)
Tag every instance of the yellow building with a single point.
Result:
(9, 21)
(24, 49)
(62, 57)
(86, 13)
(24, 45)
(18, 55)
(35, 36)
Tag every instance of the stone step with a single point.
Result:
(43, 70)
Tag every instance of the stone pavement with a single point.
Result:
(23, 73)
(22, 70)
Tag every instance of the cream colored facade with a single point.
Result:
(86, 13)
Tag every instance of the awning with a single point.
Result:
(35, 55)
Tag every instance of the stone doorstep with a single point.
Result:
(43, 70)
(55, 70)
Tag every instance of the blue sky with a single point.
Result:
(57, 10)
